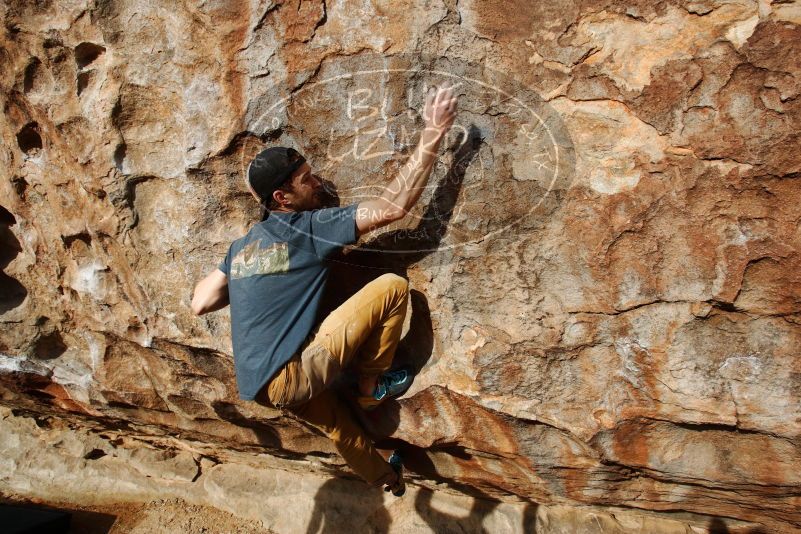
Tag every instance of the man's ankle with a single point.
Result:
(389, 479)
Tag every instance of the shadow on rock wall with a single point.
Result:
(338, 501)
(12, 293)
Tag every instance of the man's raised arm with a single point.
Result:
(403, 192)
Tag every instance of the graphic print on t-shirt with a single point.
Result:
(253, 260)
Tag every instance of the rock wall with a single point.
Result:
(605, 269)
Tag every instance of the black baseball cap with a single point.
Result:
(271, 168)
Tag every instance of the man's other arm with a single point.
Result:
(405, 189)
(211, 293)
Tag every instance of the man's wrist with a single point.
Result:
(431, 139)
(433, 133)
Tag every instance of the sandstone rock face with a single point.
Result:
(605, 270)
(91, 466)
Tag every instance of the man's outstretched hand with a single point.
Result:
(440, 108)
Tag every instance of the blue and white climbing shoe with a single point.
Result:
(399, 488)
(390, 384)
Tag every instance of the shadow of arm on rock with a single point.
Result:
(398, 249)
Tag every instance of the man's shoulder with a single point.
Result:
(253, 234)
(247, 236)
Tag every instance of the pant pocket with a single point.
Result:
(276, 391)
(319, 367)
(283, 387)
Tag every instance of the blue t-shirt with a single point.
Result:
(276, 278)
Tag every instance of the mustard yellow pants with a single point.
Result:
(363, 332)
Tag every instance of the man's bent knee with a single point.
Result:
(393, 282)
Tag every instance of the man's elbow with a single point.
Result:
(394, 213)
(198, 306)
(197, 309)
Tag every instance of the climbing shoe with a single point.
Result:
(390, 384)
(399, 487)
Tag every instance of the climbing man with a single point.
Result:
(274, 278)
